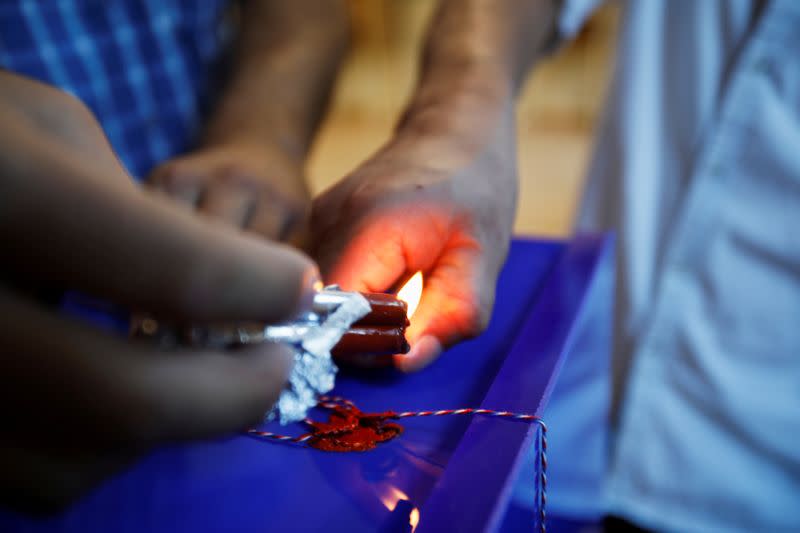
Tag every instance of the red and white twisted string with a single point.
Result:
(330, 402)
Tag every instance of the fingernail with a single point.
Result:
(312, 283)
(422, 353)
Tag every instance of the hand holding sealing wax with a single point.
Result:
(79, 402)
(352, 326)
(442, 206)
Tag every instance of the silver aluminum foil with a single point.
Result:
(312, 336)
(314, 371)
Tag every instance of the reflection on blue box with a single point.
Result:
(442, 474)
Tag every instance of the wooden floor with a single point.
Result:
(557, 110)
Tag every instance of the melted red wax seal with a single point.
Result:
(350, 430)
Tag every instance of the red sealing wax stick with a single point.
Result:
(387, 310)
(372, 340)
(376, 337)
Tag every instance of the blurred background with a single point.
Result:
(557, 111)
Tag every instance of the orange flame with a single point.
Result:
(392, 495)
(411, 292)
(413, 519)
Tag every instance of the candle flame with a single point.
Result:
(393, 495)
(411, 293)
(413, 519)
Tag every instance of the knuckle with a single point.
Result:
(236, 175)
(174, 174)
(477, 320)
(476, 316)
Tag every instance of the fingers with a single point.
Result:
(459, 287)
(180, 182)
(65, 382)
(423, 352)
(456, 304)
(197, 395)
(194, 182)
(459, 279)
(59, 116)
(238, 193)
(272, 219)
(264, 212)
(181, 266)
(229, 203)
(64, 224)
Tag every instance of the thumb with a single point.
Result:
(456, 304)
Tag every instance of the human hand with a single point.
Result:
(59, 117)
(425, 202)
(248, 170)
(76, 403)
(252, 186)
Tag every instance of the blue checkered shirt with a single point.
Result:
(146, 68)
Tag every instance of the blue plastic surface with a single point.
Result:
(454, 471)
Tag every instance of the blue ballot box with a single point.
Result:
(549, 337)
